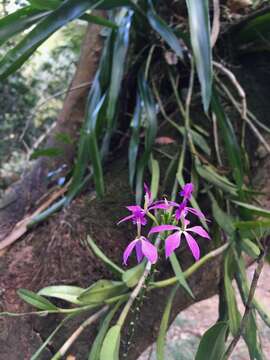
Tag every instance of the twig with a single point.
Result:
(216, 141)
(237, 85)
(21, 227)
(93, 318)
(191, 269)
(248, 307)
(248, 121)
(216, 23)
(40, 139)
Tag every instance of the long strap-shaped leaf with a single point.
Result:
(199, 24)
(18, 21)
(65, 13)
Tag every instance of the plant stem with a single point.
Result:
(77, 333)
(248, 308)
(192, 269)
(136, 290)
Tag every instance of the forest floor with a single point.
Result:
(187, 329)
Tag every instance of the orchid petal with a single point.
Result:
(161, 228)
(148, 195)
(200, 231)
(139, 252)
(159, 206)
(125, 219)
(171, 243)
(196, 212)
(134, 208)
(194, 247)
(149, 251)
(128, 250)
(187, 191)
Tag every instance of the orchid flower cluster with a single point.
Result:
(178, 223)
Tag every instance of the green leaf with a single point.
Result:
(199, 24)
(231, 145)
(111, 265)
(253, 225)
(49, 152)
(133, 275)
(180, 275)
(250, 248)
(164, 325)
(97, 344)
(233, 313)
(63, 292)
(155, 175)
(207, 172)
(68, 11)
(254, 209)
(164, 31)
(149, 108)
(255, 32)
(102, 290)
(45, 4)
(134, 141)
(221, 217)
(35, 300)
(37, 354)
(118, 63)
(99, 20)
(111, 344)
(19, 21)
(212, 344)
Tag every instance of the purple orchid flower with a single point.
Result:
(138, 216)
(173, 241)
(182, 209)
(143, 248)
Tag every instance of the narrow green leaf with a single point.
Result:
(99, 20)
(49, 152)
(97, 344)
(102, 290)
(212, 344)
(234, 315)
(118, 63)
(63, 292)
(19, 21)
(199, 24)
(35, 300)
(97, 251)
(151, 130)
(45, 4)
(253, 225)
(221, 217)
(134, 141)
(37, 354)
(214, 178)
(68, 11)
(164, 325)
(164, 31)
(180, 275)
(231, 145)
(111, 344)
(254, 209)
(155, 175)
(250, 248)
(133, 275)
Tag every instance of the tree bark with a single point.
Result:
(24, 195)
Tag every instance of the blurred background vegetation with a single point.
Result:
(33, 96)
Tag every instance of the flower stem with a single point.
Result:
(137, 290)
(192, 269)
(78, 332)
